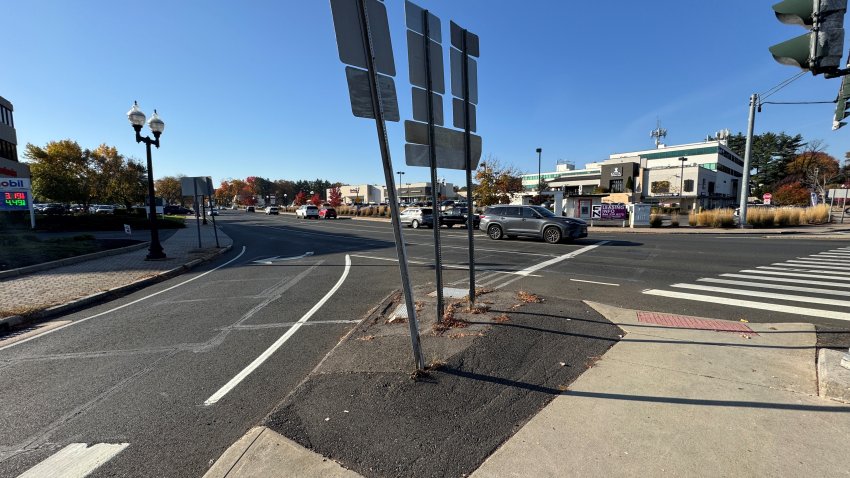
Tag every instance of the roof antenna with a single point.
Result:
(658, 133)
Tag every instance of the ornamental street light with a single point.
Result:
(539, 178)
(157, 126)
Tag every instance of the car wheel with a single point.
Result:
(494, 232)
(414, 224)
(448, 225)
(552, 235)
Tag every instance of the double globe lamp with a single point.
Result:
(157, 126)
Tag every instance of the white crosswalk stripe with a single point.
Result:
(816, 286)
(75, 460)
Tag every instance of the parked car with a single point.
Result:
(272, 210)
(327, 213)
(212, 212)
(249, 209)
(307, 211)
(104, 209)
(175, 210)
(534, 221)
(417, 217)
(52, 209)
(457, 216)
(446, 205)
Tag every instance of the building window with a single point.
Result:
(689, 185)
(711, 187)
(615, 186)
(660, 187)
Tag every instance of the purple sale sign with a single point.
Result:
(609, 211)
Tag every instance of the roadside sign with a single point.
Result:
(814, 199)
(766, 198)
(609, 211)
(127, 230)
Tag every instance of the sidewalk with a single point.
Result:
(66, 287)
(667, 400)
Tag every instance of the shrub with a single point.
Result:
(715, 218)
(817, 214)
(692, 218)
(674, 220)
(655, 220)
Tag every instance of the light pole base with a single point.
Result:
(155, 254)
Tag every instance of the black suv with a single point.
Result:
(511, 221)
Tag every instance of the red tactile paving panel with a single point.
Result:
(685, 322)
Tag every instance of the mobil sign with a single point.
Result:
(14, 183)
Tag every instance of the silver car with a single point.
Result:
(417, 217)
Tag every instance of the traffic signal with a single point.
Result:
(820, 50)
(842, 108)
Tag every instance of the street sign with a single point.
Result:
(609, 211)
(767, 197)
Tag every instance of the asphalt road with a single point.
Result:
(180, 370)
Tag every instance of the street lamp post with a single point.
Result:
(157, 126)
(400, 173)
(539, 178)
(682, 181)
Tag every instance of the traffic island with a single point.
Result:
(491, 369)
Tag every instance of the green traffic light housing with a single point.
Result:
(819, 51)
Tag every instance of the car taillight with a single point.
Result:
(482, 216)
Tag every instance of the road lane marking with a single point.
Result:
(594, 282)
(825, 314)
(783, 279)
(279, 342)
(825, 260)
(810, 265)
(534, 268)
(125, 305)
(762, 285)
(75, 460)
(271, 260)
(764, 295)
(795, 274)
(445, 266)
(280, 325)
(818, 273)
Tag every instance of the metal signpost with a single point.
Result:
(429, 143)
(363, 40)
(210, 192)
(467, 43)
(426, 71)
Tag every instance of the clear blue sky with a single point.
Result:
(257, 88)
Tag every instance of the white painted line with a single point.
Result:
(445, 266)
(270, 260)
(825, 259)
(528, 270)
(594, 282)
(796, 274)
(279, 342)
(825, 265)
(127, 304)
(537, 267)
(762, 285)
(781, 279)
(818, 273)
(764, 295)
(834, 254)
(788, 309)
(75, 461)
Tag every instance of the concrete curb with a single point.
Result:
(16, 320)
(70, 260)
(833, 379)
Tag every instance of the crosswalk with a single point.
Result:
(815, 286)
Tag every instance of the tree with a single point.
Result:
(335, 196)
(61, 172)
(300, 198)
(130, 184)
(496, 183)
(170, 189)
(814, 168)
(792, 194)
(316, 200)
(770, 156)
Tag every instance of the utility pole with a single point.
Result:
(539, 178)
(748, 151)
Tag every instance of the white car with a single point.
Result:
(307, 211)
(272, 210)
(104, 209)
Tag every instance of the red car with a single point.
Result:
(327, 213)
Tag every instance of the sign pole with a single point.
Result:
(470, 210)
(432, 154)
(197, 206)
(844, 206)
(418, 357)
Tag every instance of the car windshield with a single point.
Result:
(543, 211)
(427, 210)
